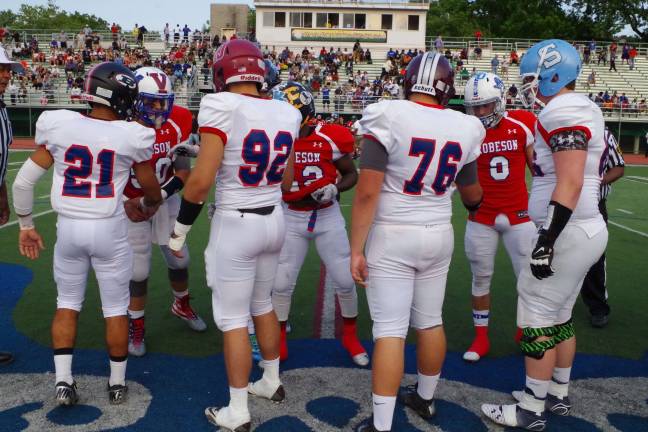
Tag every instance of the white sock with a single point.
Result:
(383, 411)
(480, 317)
(271, 370)
(561, 375)
(180, 294)
(538, 387)
(117, 372)
(135, 314)
(63, 368)
(427, 385)
(239, 399)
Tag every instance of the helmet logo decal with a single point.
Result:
(549, 56)
(126, 81)
(160, 80)
(499, 84)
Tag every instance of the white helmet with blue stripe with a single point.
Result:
(485, 88)
(548, 67)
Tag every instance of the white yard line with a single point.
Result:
(641, 233)
(625, 211)
(642, 178)
(34, 216)
(634, 181)
(16, 163)
(43, 196)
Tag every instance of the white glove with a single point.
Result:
(325, 194)
(179, 236)
(186, 150)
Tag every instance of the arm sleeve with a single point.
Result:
(215, 115)
(375, 124)
(373, 156)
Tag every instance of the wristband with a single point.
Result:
(26, 222)
(175, 184)
(179, 236)
(557, 217)
(189, 212)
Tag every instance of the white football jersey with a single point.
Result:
(92, 161)
(258, 135)
(564, 112)
(426, 147)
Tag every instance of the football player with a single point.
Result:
(412, 151)
(246, 142)
(572, 234)
(313, 213)
(172, 123)
(505, 152)
(92, 157)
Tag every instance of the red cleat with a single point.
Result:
(351, 343)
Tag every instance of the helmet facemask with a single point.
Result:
(154, 110)
(493, 117)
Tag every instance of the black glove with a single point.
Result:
(542, 256)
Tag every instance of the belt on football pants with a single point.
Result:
(263, 211)
(312, 220)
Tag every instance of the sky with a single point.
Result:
(127, 13)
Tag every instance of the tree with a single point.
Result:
(251, 20)
(49, 16)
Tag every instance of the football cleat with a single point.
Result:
(513, 415)
(226, 418)
(136, 330)
(361, 359)
(66, 394)
(256, 351)
(183, 310)
(272, 391)
(409, 397)
(558, 405)
(117, 394)
(367, 426)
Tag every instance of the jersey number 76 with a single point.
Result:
(446, 170)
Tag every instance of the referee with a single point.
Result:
(6, 136)
(594, 292)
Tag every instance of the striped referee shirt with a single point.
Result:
(6, 136)
(614, 159)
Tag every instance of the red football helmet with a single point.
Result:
(237, 61)
(432, 74)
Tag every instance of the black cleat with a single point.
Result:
(558, 405)
(66, 394)
(117, 394)
(367, 426)
(409, 397)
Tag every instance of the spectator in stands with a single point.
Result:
(185, 33)
(167, 34)
(512, 92)
(114, 30)
(140, 35)
(464, 74)
(367, 56)
(591, 79)
(176, 34)
(632, 54)
(514, 57)
(586, 54)
(478, 36)
(505, 67)
(623, 99)
(592, 47)
(598, 99)
(87, 30)
(12, 90)
(63, 39)
(613, 48)
(495, 64)
(478, 52)
(438, 44)
(612, 61)
(625, 53)
(602, 57)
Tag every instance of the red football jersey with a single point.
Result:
(501, 168)
(314, 159)
(174, 131)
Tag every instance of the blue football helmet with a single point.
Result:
(547, 67)
(298, 96)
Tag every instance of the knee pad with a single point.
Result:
(138, 288)
(178, 275)
(228, 324)
(348, 301)
(481, 285)
(141, 266)
(172, 261)
(531, 347)
(564, 331)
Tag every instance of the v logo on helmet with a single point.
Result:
(160, 80)
(549, 56)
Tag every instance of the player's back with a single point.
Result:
(426, 147)
(258, 135)
(569, 111)
(502, 167)
(92, 161)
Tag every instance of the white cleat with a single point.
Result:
(361, 359)
(228, 419)
(514, 416)
(471, 356)
(272, 391)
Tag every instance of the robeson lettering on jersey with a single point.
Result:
(163, 147)
(305, 157)
(499, 146)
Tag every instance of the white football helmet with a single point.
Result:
(485, 88)
(155, 98)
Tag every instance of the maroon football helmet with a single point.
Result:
(432, 74)
(237, 61)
